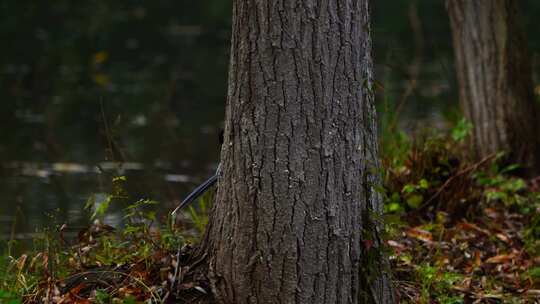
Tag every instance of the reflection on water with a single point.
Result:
(96, 89)
(50, 194)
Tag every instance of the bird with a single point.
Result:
(202, 188)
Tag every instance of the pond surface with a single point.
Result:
(96, 89)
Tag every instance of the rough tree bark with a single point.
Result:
(494, 77)
(293, 220)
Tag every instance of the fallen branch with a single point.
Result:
(469, 169)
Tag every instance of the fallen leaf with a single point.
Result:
(420, 234)
(501, 258)
(21, 262)
(397, 246)
(533, 292)
(470, 226)
(503, 237)
(477, 259)
(492, 213)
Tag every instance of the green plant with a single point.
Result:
(532, 240)
(101, 203)
(200, 215)
(102, 297)
(414, 193)
(9, 298)
(427, 175)
(461, 130)
(500, 186)
(437, 284)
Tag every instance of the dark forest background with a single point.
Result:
(95, 89)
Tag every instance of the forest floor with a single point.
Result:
(457, 231)
(484, 259)
(461, 231)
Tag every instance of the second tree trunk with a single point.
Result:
(494, 76)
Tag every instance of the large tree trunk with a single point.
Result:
(494, 76)
(292, 221)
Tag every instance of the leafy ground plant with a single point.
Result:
(461, 231)
(148, 260)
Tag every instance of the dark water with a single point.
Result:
(95, 89)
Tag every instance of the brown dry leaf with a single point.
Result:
(503, 237)
(477, 259)
(492, 213)
(396, 246)
(34, 260)
(464, 285)
(420, 234)
(188, 285)
(486, 296)
(21, 262)
(533, 292)
(45, 262)
(473, 227)
(501, 258)
(77, 289)
(73, 296)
